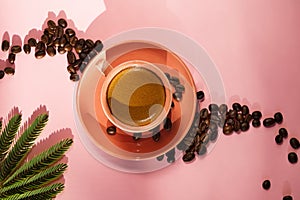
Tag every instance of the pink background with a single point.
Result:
(256, 47)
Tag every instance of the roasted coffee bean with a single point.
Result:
(202, 150)
(200, 95)
(46, 31)
(292, 157)
(73, 40)
(11, 58)
(45, 38)
(203, 127)
(213, 107)
(283, 132)
(278, 139)
(111, 130)
(177, 96)
(82, 55)
(70, 32)
(27, 48)
(232, 114)
(204, 113)
(51, 51)
(160, 158)
(62, 41)
(136, 136)
(227, 130)
(5, 45)
(240, 117)
(62, 23)
(86, 49)
(245, 110)
(188, 157)
(213, 135)
(16, 49)
(32, 42)
(71, 69)
(204, 138)
(278, 117)
(266, 184)
(9, 70)
(256, 123)
(244, 126)
(248, 118)
(74, 77)
(61, 50)
(168, 124)
(2, 74)
(89, 43)
(59, 32)
(40, 46)
(236, 126)
(269, 122)
(229, 122)
(77, 64)
(71, 57)
(236, 106)
(156, 137)
(256, 115)
(179, 88)
(79, 45)
(223, 109)
(287, 197)
(294, 142)
(68, 47)
(56, 42)
(98, 45)
(51, 24)
(39, 54)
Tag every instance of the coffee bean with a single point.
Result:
(59, 32)
(40, 46)
(56, 42)
(156, 137)
(278, 117)
(213, 126)
(71, 69)
(86, 49)
(32, 42)
(68, 47)
(62, 23)
(236, 106)
(229, 122)
(256, 115)
(45, 38)
(2, 74)
(200, 95)
(111, 130)
(48, 32)
(283, 132)
(247, 118)
(74, 77)
(51, 51)
(62, 41)
(227, 130)
(39, 54)
(278, 139)
(292, 157)
(16, 49)
(61, 50)
(294, 142)
(89, 43)
(98, 45)
(245, 110)
(188, 157)
(287, 197)
(51, 24)
(11, 58)
(70, 32)
(213, 107)
(5, 45)
(204, 138)
(244, 126)
(177, 96)
(79, 45)
(73, 41)
(240, 117)
(215, 118)
(269, 122)
(202, 150)
(266, 184)
(82, 55)
(232, 114)
(9, 70)
(204, 113)
(27, 48)
(223, 108)
(213, 135)
(71, 57)
(256, 123)
(168, 124)
(179, 88)
(160, 158)
(236, 126)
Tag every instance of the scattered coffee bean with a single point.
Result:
(204, 113)
(98, 45)
(294, 142)
(62, 23)
(89, 43)
(111, 130)
(288, 197)
(256, 123)
(177, 96)
(32, 42)
(245, 110)
(27, 48)
(61, 50)
(70, 32)
(168, 124)
(240, 117)
(51, 24)
(232, 114)
(269, 122)
(16, 49)
(156, 137)
(39, 54)
(40, 46)
(59, 32)
(244, 126)
(256, 115)
(227, 130)
(202, 150)
(160, 158)
(278, 139)
(71, 57)
(223, 108)
(71, 69)
(62, 41)
(11, 58)
(79, 45)
(74, 77)
(236, 126)
(73, 41)
(68, 47)
(82, 55)
(283, 132)
(56, 42)
(200, 95)
(248, 118)
(266, 184)
(2, 74)
(188, 157)
(45, 38)
(51, 51)
(292, 157)
(5, 45)
(9, 71)
(278, 117)
(236, 106)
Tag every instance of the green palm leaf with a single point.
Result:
(22, 146)
(34, 182)
(40, 162)
(8, 134)
(43, 193)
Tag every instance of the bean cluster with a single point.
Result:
(55, 38)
